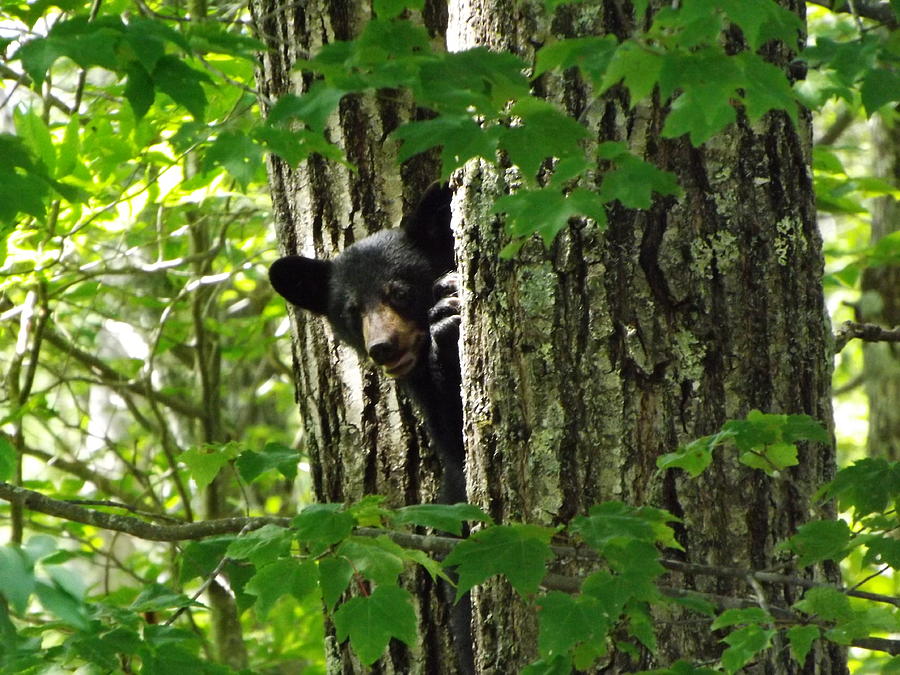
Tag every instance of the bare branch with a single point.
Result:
(35, 501)
(114, 379)
(868, 332)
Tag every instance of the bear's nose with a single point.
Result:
(383, 351)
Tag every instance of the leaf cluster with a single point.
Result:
(357, 574)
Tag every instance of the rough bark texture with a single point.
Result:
(361, 436)
(881, 304)
(584, 363)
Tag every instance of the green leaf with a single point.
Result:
(545, 131)
(547, 211)
(801, 639)
(461, 139)
(738, 617)
(7, 459)
(803, 428)
(820, 540)
(826, 603)
(369, 511)
(62, 605)
(700, 113)
(613, 523)
(237, 154)
(826, 160)
(882, 551)
(696, 456)
(319, 526)
(200, 558)
(870, 485)
(566, 620)
(373, 559)
(636, 65)
(638, 564)
(215, 36)
(590, 54)
(17, 581)
(182, 83)
(251, 465)
(40, 547)
(371, 621)
(34, 132)
(862, 624)
(640, 626)
(91, 42)
(139, 90)
(477, 80)
(708, 79)
(156, 598)
(313, 108)
(205, 462)
(611, 591)
(773, 458)
(696, 603)
(880, 87)
(37, 57)
(763, 20)
(744, 644)
(282, 577)
(444, 517)
(335, 574)
(69, 148)
(296, 145)
(142, 35)
(261, 546)
(766, 87)
(520, 552)
(634, 181)
(694, 24)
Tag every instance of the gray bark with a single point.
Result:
(362, 436)
(881, 304)
(584, 363)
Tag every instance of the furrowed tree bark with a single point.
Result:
(585, 362)
(361, 436)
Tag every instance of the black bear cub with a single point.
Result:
(393, 297)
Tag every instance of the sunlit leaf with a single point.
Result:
(371, 621)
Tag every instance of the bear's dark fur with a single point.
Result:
(393, 297)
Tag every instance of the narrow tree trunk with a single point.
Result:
(881, 304)
(585, 362)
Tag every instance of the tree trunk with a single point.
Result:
(585, 362)
(881, 304)
(361, 435)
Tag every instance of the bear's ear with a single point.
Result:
(302, 281)
(429, 225)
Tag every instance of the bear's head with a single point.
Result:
(376, 294)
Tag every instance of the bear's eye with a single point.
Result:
(399, 296)
(351, 310)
